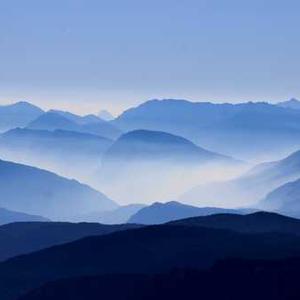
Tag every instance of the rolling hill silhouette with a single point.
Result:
(25, 237)
(145, 250)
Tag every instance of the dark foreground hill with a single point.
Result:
(259, 222)
(145, 250)
(229, 280)
(24, 237)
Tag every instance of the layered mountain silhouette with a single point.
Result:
(145, 250)
(159, 213)
(55, 141)
(9, 216)
(155, 165)
(18, 115)
(143, 145)
(25, 237)
(54, 120)
(76, 118)
(36, 191)
(69, 153)
(246, 130)
(250, 187)
(230, 279)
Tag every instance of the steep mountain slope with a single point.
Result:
(156, 166)
(68, 153)
(18, 115)
(53, 120)
(248, 188)
(224, 127)
(145, 250)
(36, 191)
(159, 213)
(25, 237)
(9, 216)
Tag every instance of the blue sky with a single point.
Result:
(85, 55)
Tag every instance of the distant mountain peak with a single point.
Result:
(158, 145)
(292, 103)
(105, 115)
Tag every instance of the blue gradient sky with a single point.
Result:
(86, 55)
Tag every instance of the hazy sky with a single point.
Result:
(86, 55)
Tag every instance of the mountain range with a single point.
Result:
(68, 153)
(270, 130)
(53, 120)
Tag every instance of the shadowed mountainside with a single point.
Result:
(36, 191)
